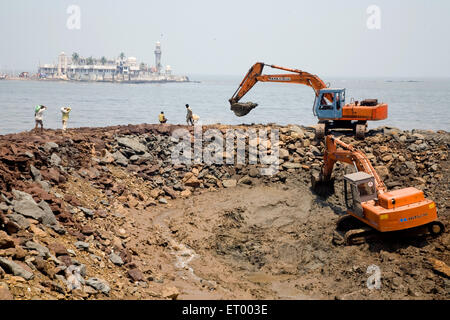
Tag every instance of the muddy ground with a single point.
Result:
(275, 242)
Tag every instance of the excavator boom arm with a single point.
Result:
(297, 76)
(248, 82)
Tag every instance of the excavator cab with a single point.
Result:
(325, 109)
(359, 187)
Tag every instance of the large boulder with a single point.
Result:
(21, 195)
(87, 212)
(120, 158)
(296, 131)
(291, 165)
(48, 218)
(19, 220)
(133, 144)
(43, 251)
(107, 157)
(229, 183)
(170, 293)
(99, 285)
(36, 173)
(284, 154)
(191, 180)
(55, 160)
(315, 150)
(48, 146)
(16, 269)
(116, 259)
(28, 208)
(382, 171)
(58, 249)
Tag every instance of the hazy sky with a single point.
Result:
(328, 38)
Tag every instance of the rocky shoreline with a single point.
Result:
(65, 201)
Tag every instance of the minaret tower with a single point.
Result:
(158, 57)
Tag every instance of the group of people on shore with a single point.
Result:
(39, 117)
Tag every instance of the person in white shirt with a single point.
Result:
(189, 118)
(39, 117)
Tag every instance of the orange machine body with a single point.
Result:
(355, 112)
(398, 217)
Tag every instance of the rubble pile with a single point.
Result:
(64, 232)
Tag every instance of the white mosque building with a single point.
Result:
(121, 69)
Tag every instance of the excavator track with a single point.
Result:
(354, 236)
(360, 131)
(320, 131)
(348, 222)
(356, 232)
(359, 236)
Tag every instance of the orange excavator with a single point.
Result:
(369, 202)
(329, 105)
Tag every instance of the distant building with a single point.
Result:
(63, 62)
(112, 70)
(158, 57)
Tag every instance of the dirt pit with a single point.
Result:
(275, 242)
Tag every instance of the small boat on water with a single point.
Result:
(2, 76)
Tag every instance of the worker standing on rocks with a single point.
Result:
(189, 118)
(162, 117)
(39, 116)
(65, 117)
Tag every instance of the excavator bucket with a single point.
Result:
(321, 187)
(242, 108)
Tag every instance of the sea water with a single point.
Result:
(413, 104)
